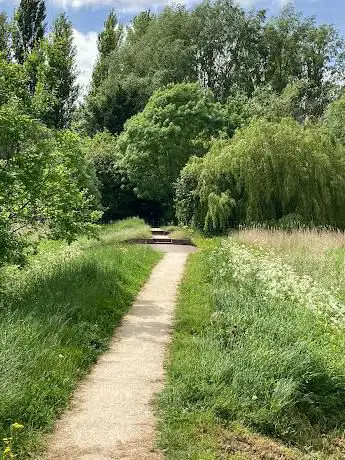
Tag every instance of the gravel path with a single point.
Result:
(111, 415)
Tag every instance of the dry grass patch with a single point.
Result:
(319, 254)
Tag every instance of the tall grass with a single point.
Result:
(243, 356)
(57, 316)
(319, 254)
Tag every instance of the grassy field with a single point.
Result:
(256, 368)
(57, 316)
(319, 254)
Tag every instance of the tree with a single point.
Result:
(28, 28)
(160, 48)
(154, 52)
(109, 40)
(295, 48)
(115, 101)
(271, 172)
(111, 100)
(5, 46)
(334, 119)
(57, 90)
(227, 47)
(139, 25)
(177, 122)
(45, 183)
(117, 196)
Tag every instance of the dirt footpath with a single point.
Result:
(111, 415)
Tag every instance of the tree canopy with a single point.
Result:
(270, 172)
(45, 183)
(176, 123)
(221, 46)
(57, 90)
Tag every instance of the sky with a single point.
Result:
(88, 17)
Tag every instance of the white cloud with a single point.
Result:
(137, 5)
(252, 3)
(86, 56)
(132, 6)
(120, 5)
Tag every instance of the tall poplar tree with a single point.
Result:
(4, 36)
(57, 89)
(28, 27)
(109, 41)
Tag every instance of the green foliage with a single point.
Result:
(117, 196)
(58, 316)
(335, 119)
(177, 122)
(109, 41)
(296, 48)
(28, 30)
(268, 171)
(117, 200)
(56, 90)
(139, 26)
(5, 35)
(228, 47)
(224, 48)
(44, 182)
(187, 200)
(151, 57)
(294, 101)
(115, 101)
(14, 84)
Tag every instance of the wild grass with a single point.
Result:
(185, 233)
(125, 230)
(57, 317)
(318, 253)
(251, 374)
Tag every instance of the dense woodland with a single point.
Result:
(213, 116)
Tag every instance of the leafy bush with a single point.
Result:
(45, 183)
(269, 171)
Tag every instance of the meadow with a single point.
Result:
(57, 316)
(256, 368)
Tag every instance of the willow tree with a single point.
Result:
(271, 172)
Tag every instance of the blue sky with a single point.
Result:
(88, 17)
